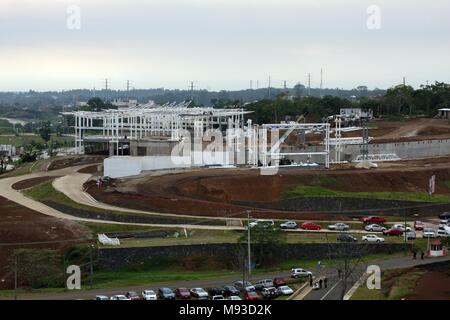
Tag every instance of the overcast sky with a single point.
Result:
(221, 44)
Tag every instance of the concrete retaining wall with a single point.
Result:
(120, 257)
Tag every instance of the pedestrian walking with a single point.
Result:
(414, 254)
(325, 282)
(422, 254)
(339, 274)
(320, 284)
(310, 281)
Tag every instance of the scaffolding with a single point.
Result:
(151, 121)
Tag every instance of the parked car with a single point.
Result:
(410, 235)
(251, 295)
(218, 297)
(372, 238)
(199, 293)
(289, 225)
(311, 226)
(445, 215)
(429, 233)
(132, 295)
(216, 291)
(393, 232)
(373, 219)
(119, 297)
(149, 295)
(338, 226)
(244, 286)
(279, 282)
(418, 225)
(285, 291)
(265, 283)
(261, 222)
(299, 273)
(234, 298)
(345, 237)
(182, 293)
(441, 232)
(100, 297)
(401, 227)
(231, 291)
(269, 293)
(373, 227)
(166, 294)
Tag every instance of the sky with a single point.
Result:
(222, 44)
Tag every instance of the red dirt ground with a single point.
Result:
(24, 184)
(74, 161)
(433, 285)
(22, 225)
(211, 192)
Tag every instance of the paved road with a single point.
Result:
(335, 286)
(16, 196)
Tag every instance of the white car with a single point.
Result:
(441, 232)
(374, 227)
(338, 226)
(289, 225)
(261, 222)
(119, 297)
(100, 297)
(285, 290)
(218, 297)
(234, 298)
(149, 295)
(372, 238)
(299, 272)
(199, 293)
(429, 233)
(401, 227)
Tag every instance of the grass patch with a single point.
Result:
(318, 191)
(19, 140)
(395, 284)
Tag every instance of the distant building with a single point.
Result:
(124, 103)
(356, 113)
(7, 150)
(444, 113)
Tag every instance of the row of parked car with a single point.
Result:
(262, 289)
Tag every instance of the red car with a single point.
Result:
(393, 232)
(310, 226)
(373, 219)
(182, 293)
(251, 295)
(132, 295)
(418, 225)
(279, 282)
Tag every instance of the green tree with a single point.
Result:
(266, 243)
(45, 131)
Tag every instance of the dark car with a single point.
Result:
(166, 294)
(279, 282)
(393, 232)
(182, 293)
(216, 291)
(132, 295)
(444, 216)
(231, 291)
(347, 238)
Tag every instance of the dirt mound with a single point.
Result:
(20, 227)
(74, 161)
(29, 183)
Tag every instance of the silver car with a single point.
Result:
(338, 226)
(374, 228)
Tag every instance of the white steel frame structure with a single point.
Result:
(150, 120)
(275, 154)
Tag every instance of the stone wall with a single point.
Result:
(119, 257)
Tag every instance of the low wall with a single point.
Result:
(119, 257)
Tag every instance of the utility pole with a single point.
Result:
(248, 244)
(106, 88)
(404, 81)
(321, 78)
(257, 84)
(270, 93)
(191, 88)
(309, 84)
(15, 276)
(91, 273)
(251, 84)
(128, 89)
